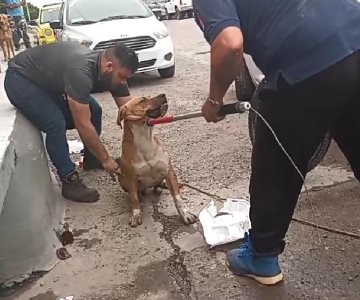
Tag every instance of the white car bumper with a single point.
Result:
(161, 56)
(185, 8)
(158, 56)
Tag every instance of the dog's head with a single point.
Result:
(138, 109)
(4, 19)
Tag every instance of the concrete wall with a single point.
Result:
(31, 206)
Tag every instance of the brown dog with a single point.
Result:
(144, 163)
(6, 37)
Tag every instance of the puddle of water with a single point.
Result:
(49, 295)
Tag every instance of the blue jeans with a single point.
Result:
(50, 114)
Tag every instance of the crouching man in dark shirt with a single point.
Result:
(51, 86)
(309, 54)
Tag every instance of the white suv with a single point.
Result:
(178, 8)
(101, 24)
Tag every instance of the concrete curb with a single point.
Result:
(31, 206)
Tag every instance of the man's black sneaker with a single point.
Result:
(75, 190)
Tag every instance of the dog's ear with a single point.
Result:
(121, 115)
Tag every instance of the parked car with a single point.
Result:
(157, 9)
(101, 24)
(44, 33)
(178, 9)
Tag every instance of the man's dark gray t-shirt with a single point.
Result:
(64, 67)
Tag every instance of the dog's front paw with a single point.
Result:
(188, 217)
(136, 218)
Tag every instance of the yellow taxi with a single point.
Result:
(44, 33)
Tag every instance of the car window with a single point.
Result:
(48, 15)
(91, 11)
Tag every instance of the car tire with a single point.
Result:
(168, 72)
(244, 86)
(167, 15)
(179, 14)
(190, 14)
(319, 153)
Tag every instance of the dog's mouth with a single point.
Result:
(157, 112)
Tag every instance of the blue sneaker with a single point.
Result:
(242, 261)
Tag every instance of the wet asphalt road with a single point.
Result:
(165, 260)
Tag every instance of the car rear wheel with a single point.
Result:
(168, 72)
(179, 14)
(244, 86)
(167, 15)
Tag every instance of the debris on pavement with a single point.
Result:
(227, 225)
(63, 254)
(65, 234)
(68, 298)
(75, 146)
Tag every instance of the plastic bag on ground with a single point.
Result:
(227, 225)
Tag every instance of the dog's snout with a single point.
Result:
(162, 98)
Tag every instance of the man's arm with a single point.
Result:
(226, 59)
(121, 95)
(77, 87)
(82, 119)
(120, 101)
(16, 5)
(4, 4)
(220, 24)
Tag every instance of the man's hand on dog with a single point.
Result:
(211, 109)
(111, 166)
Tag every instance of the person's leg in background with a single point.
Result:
(17, 33)
(300, 116)
(26, 37)
(21, 32)
(41, 110)
(90, 161)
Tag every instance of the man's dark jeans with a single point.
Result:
(20, 33)
(300, 115)
(50, 114)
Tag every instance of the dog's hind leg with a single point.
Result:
(173, 186)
